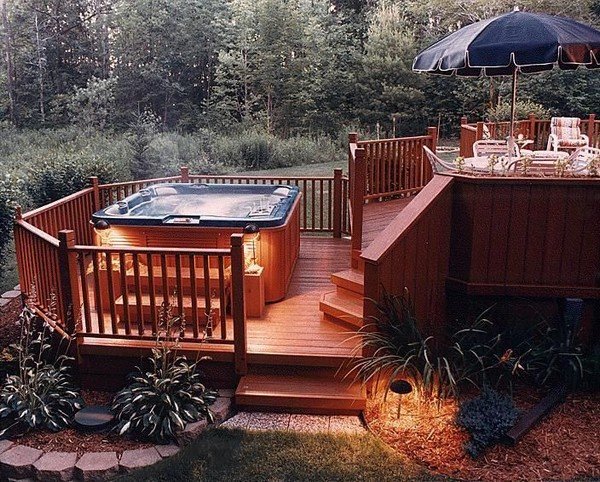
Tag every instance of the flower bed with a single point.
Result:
(561, 447)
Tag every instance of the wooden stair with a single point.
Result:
(345, 303)
(300, 393)
(146, 307)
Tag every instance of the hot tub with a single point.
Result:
(212, 205)
(199, 216)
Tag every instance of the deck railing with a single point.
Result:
(324, 204)
(380, 169)
(532, 128)
(412, 253)
(72, 212)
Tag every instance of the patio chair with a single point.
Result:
(565, 133)
(581, 159)
(488, 147)
(438, 165)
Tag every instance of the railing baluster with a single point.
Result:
(152, 293)
(124, 294)
(97, 294)
(179, 286)
(111, 292)
(139, 303)
(207, 295)
(85, 293)
(222, 298)
(194, 295)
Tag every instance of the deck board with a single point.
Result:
(377, 216)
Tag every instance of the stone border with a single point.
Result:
(11, 298)
(20, 462)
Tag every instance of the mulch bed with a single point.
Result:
(565, 445)
(71, 440)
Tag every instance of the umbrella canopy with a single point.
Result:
(511, 43)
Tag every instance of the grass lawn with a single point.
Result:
(323, 169)
(235, 455)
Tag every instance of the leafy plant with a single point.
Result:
(42, 393)
(396, 346)
(487, 418)
(160, 401)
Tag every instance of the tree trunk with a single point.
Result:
(10, 68)
(41, 60)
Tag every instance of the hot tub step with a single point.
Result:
(147, 308)
(186, 283)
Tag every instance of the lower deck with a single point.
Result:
(290, 332)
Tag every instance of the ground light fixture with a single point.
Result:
(400, 387)
(102, 229)
(253, 233)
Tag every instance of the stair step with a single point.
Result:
(350, 279)
(344, 306)
(171, 275)
(187, 307)
(300, 393)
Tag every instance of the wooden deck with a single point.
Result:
(292, 331)
(378, 215)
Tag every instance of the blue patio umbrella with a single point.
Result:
(512, 43)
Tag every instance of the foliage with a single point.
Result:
(591, 368)
(143, 130)
(42, 394)
(160, 401)
(91, 106)
(487, 418)
(483, 351)
(11, 189)
(68, 172)
(396, 346)
(501, 112)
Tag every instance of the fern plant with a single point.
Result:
(42, 394)
(159, 402)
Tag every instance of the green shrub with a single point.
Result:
(11, 192)
(160, 401)
(42, 394)
(523, 108)
(68, 171)
(487, 418)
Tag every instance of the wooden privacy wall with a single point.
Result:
(526, 237)
(532, 128)
(413, 253)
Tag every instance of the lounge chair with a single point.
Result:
(581, 160)
(438, 165)
(565, 133)
(488, 147)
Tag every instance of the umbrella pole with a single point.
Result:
(511, 137)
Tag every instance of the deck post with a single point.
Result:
(532, 134)
(185, 174)
(352, 139)
(433, 133)
(590, 129)
(479, 131)
(463, 120)
(337, 203)
(68, 279)
(358, 199)
(238, 308)
(96, 199)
